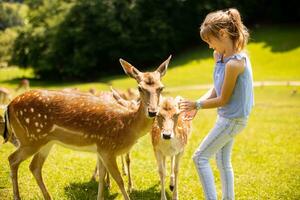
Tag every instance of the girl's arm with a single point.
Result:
(232, 70)
(209, 94)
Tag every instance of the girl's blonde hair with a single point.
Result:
(230, 21)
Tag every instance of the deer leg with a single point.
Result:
(102, 172)
(95, 174)
(15, 159)
(161, 159)
(36, 169)
(107, 181)
(129, 173)
(172, 176)
(123, 166)
(111, 165)
(176, 170)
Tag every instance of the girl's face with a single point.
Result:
(220, 44)
(215, 44)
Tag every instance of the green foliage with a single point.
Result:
(7, 38)
(84, 39)
(12, 14)
(12, 17)
(93, 35)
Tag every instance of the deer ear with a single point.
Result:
(162, 69)
(118, 98)
(130, 70)
(116, 95)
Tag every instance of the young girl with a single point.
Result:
(232, 94)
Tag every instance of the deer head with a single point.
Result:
(168, 116)
(149, 84)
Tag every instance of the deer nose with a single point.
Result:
(152, 114)
(166, 136)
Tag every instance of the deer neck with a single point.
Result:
(141, 121)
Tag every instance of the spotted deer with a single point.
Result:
(40, 118)
(169, 134)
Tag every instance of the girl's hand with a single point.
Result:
(186, 105)
(189, 108)
(190, 115)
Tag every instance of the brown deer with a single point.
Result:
(24, 85)
(128, 99)
(40, 118)
(169, 134)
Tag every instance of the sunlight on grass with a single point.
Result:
(265, 158)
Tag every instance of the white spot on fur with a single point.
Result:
(21, 112)
(25, 110)
(27, 120)
(32, 110)
(45, 116)
(39, 115)
(38, 130)
(36, 124)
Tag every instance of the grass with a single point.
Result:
(266, 155)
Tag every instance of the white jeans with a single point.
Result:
(219, 141)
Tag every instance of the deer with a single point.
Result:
(24, 85)
(170, 133)
(38, 119)
(129, 99)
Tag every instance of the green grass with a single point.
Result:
(265, 158)
(266, 155)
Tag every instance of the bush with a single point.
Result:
(84, 39)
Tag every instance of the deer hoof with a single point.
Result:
(171, 187)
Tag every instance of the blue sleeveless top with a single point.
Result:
(242, 98)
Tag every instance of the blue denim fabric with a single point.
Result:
(218, 142)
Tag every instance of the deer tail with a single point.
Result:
(5, 123)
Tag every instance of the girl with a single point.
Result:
(232, 94)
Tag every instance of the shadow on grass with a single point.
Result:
(152, 193)
(86, 191)
(89, 190)
(279, 38)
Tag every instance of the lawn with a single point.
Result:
(266, 155)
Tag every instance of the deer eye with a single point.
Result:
(160, 89)
(175, 116)
(140, 88)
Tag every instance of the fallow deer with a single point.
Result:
(24, 85)
(41, 118)
(169, 134)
